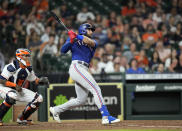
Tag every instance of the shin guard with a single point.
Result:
(27, 112)
(7, 103)
(31, 107)
(4, 107)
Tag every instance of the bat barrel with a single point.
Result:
(58, 20)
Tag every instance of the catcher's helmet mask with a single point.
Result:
(23, 56)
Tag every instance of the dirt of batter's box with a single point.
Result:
(96, 124)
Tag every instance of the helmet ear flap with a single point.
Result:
(84, 32)
(82, 29)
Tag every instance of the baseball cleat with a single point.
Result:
(21, 122)
(55, 115)
(109, 120)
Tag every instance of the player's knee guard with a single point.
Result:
(31, 107)
(11, 97)
(36, 101)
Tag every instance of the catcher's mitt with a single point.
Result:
(43, 80)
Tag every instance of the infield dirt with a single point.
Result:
(82, 125)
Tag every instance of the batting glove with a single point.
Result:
(72, 36)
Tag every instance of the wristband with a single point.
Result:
(80, 37)
(10, 84)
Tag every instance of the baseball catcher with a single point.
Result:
(83, 50)
(12, 79)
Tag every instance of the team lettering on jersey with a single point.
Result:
(82, 43)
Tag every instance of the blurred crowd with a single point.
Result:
(144, 37)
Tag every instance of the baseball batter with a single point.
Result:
(12, 79)
(83, 50)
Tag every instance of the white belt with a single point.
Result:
(81, 62)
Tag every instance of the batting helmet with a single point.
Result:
(83, 28)
(23, 55)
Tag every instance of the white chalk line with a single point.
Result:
(155, 126)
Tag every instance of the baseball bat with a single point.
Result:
(58, 20)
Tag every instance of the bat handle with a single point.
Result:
(75, 40)
(67, 29)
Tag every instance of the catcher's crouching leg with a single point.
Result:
(30, 109)
(10, 99)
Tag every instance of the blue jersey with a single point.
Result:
(80, 51)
